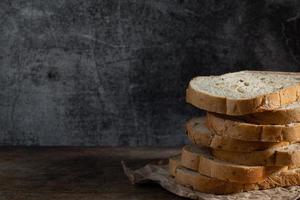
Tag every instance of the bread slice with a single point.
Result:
(285, 114)
(200, 159)
(206, 184)
(200, 135)
(282, 156)
(237, 129)
(243, 92)
(174, 163)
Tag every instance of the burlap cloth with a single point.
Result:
(159, 174)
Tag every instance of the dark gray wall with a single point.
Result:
(92, 72)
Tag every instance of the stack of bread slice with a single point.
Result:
(249, 137)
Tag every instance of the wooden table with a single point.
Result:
(76, 173)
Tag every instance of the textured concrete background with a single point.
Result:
(92, 72)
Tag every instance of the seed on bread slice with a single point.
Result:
(281, 156)
(200, 159)
(243, 92)
(237, 129)
(199, 134)
(206, 184)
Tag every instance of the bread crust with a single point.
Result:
(223, 105)
(284, 156)
(276, 116)
(206, 184)
(226, 126)
(200, 135)
(174, 163)
(206, 165)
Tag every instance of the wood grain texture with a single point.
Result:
(76, 173)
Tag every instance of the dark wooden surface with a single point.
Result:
(76, 173)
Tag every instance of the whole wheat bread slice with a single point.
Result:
(200, 135)
(237, 129)
(281, 156)
(206, 184)
(243, 92)
(200, 159)
(285, 114)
